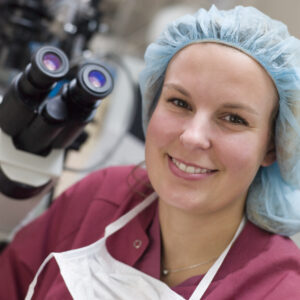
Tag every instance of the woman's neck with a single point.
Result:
(189, 239)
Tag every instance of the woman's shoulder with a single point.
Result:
(95, 198)
(257, 250)
(264, 250)
(83, 210)
(270, 254)
(260, 265)
(275, 245)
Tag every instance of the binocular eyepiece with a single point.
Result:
(92, 83)
(48, 65)
(38, 123)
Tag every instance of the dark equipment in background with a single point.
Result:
(21, 23)
(26, 25)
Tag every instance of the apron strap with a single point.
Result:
(209, 276)
(34, 282)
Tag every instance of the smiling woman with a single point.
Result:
(216, 135)
(205, 219)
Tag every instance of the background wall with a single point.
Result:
(129, 20)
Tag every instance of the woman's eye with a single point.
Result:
(180, 103)
(236, 119)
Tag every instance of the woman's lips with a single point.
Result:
(186, 171)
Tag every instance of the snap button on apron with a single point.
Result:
(137, 244)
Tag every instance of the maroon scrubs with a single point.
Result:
(260, 265)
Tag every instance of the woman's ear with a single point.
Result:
(270, 155)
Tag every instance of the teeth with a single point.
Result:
(189, 169)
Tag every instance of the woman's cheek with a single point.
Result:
(240, 153)
(162, 127)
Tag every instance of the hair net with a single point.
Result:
(273, 201)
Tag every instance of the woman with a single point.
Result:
(215, 86)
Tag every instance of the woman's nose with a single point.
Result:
(197, 133)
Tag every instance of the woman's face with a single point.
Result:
(210, 131)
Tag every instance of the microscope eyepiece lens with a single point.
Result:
(92, 83)
(52, 61)
(48, 65)
(97, 78)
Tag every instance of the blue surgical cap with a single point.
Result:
(273, 201)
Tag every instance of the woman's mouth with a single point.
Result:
(190, 169)
(187, 171)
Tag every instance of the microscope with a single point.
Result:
(37, 126)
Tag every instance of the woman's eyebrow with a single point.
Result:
(241, 106)
(177, 87)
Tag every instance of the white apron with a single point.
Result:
(92, 273)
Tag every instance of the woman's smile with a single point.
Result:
(188, 171)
